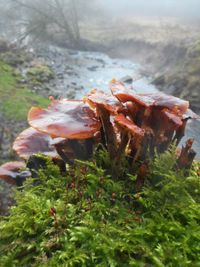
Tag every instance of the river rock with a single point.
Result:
(3, 46)
(127, 79)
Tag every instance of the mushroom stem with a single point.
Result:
(167, 140)
(89, 143)
(109, 132)
(123, 144)
(60, 150)
(103, 138)
(77, 148)
(116, 162)
(180, 132)
(143, 170)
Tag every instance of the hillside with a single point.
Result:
(183, 78)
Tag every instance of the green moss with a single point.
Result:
(15, 58)
(40, 73)
(86, 219)
(15, 100)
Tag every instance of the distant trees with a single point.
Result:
(64, 16)
(4, 21)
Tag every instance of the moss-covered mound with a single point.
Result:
(85, 218)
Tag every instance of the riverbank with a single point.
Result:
(182, 79)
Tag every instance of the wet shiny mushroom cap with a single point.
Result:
(65, 118)
(156, 99)
(107, 101)
(130, 126)
(31, 141)
(122, 93)
(169, 118)
(10, 170)
(175, 104)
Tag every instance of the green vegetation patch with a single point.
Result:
(16, 100)
(40, 73)
(87, 219)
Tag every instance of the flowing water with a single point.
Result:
(78, 72)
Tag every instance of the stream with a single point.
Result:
(77, 72)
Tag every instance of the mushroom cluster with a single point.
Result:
(127, 124)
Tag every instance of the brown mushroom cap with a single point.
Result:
(172, 118)
(131, 127)
(10, 170)
(121, 92)
(64, 118)
(30, 142)
(173, 103)
(99, 98)
(157, 99)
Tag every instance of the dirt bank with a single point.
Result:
(182, 79)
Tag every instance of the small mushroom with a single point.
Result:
(106, 106)
(30, 142)
(133, 130)
(11, 172)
